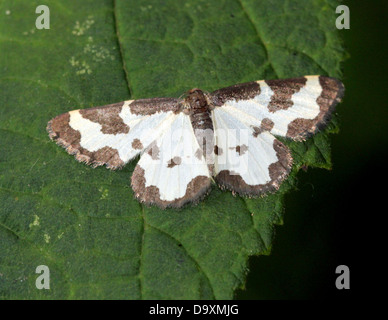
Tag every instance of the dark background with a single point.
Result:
(333, 218)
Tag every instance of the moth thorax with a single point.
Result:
(197, 99)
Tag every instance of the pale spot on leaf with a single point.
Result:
(80, 28)
(35, 223)
(47, 238)
(104, 192)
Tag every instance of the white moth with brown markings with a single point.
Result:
(228, 135)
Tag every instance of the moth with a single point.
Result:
(227, 136)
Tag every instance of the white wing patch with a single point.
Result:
(173, 171)
(304, 106)
(239, 152)
(142, 131)
(254, 110)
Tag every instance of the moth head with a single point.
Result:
(196, 99)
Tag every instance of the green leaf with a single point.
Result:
(84, 223)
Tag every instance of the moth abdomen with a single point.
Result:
(203, 130)
(201, 120)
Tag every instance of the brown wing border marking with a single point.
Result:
(64, 135)
(332, 93)
(278, 172)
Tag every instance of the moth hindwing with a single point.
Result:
(229, 135)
